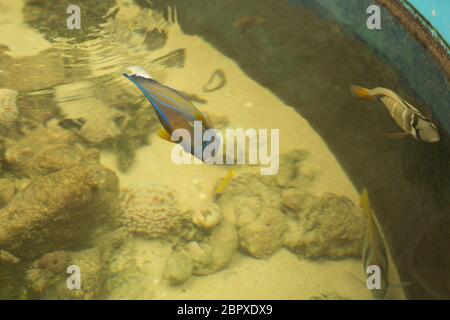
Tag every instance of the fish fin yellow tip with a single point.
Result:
(364, 201)
(223, 184)
(361, 93)
(163, 134)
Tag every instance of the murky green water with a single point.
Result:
(89, 188)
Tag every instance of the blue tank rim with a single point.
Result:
(426, 23)
(422, 29)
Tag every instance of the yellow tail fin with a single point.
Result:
(223, 184)
(361, 93)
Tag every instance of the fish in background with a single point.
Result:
(374, 249)
(410, 119)
(174, 110)
(223, 184)
(246, 22)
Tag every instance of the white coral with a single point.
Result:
(150, 211)
(207, 216)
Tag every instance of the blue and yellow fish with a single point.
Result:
(374, 249)
(175, 111)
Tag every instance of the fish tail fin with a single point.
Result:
(223, 184)
(361, 93)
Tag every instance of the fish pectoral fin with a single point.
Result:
(163, 134)
(396, 136)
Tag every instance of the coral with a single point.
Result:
(46, 150)
(260, 231)
(151, 211)
(7, 190)
(275, 211)
(58, 210)
(55, 262)
(215, 252)
(207, 216)
(255, 207)
(8, 108)
(46, 280)
(179, 267)
(296, 199)
(330, 226)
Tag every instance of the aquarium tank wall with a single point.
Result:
(210, 149)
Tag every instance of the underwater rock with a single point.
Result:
(256, 209)
(220, 121)
(8, 108)
(103, 125)
(290, 173)
(134, 135)
(47, 282)
(99, 122)
(329, 295)
(296, 199)
(43, 70)
(49, 18)
(207, 216)
(151, 212)
(8, 258)
(58, 210)
(215, 252)
(330, 226)
(36, 110)
(55, 262)
(7, 191)
(248, 188)
(260, 230)
(179, 267)
(156, 39)
(46, 150)
(134, 268)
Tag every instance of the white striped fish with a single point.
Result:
(374, 249)
(409, 118)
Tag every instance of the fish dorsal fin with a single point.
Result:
(380, 92)
(364, 202)
(369, 213)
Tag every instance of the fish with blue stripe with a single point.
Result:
(175, 111)
(374, 249)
